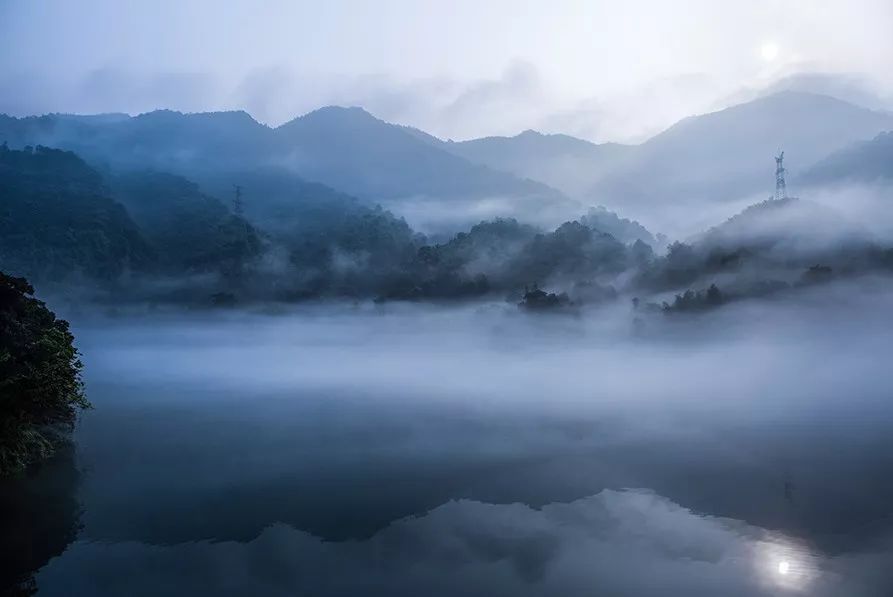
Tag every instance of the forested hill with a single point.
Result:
(58, 221)
(61, 221)
(345, 148)
(154, 237)
(864, 162)
(190, 231)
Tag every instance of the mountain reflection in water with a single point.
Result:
(392, 455)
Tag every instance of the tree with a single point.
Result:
(41, 389)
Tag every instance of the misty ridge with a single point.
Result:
(216, 209)
(446, 298)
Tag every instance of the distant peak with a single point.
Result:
(339, 111)
(788, 96)
(334, 116)
(230, 115)
(159, 113)
(334, 109)
(101, 117)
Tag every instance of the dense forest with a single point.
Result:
(40, 383)
(58, 221)
(136, 235)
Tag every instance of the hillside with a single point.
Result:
(189, 231)
(724, 155)
(793, 225)
(561, 161)
(865, 162)
(58, 220)
(349, 149)
(344, 148)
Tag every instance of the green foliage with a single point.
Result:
(699, 300)
(623, 229)
(573, 250)
(472, 263)
(536, 299)
(504, 256)
(365, 253)
(40, 381)
(189, 231)
(57, 221)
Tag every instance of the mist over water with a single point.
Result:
(449, 299)
(475, 449)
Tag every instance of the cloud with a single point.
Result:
(110, 89)
(518, 98)
(849, 87)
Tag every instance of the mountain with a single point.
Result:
(704, 160)
(350, 149)
(189, 231)
(864, 162)
(561, 161)
(795, 225)
(769, 247)
(162, 140)
(58, 221)
(344, 148)
(625, 230)
(726, 155)
(848, 87)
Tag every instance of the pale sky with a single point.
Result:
(617, 70)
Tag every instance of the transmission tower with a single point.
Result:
(781, 190)
(237, 202)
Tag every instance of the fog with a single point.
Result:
(459, 70)
(404, 449)
(405, 298)
(439, 220)
(490, 354)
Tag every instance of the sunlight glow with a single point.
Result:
(769, 51)
(784, 563)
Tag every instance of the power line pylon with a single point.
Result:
(781, 190)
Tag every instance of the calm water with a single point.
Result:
(469, 452)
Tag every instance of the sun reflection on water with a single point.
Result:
(783, 563)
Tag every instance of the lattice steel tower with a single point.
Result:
(781, 190)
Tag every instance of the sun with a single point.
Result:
(769, 51)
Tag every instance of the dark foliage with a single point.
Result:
(366, 254)
(536, 299)
(623, 229)
(40, 382)
(61, 223)
(503, 256)
(699, 300)
(189, 231)
(57, 221)
(573, 250)
(817, 274)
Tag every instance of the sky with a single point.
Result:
(606, 71)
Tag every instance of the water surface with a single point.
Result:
(474, 451)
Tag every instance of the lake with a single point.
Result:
(472, 450)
